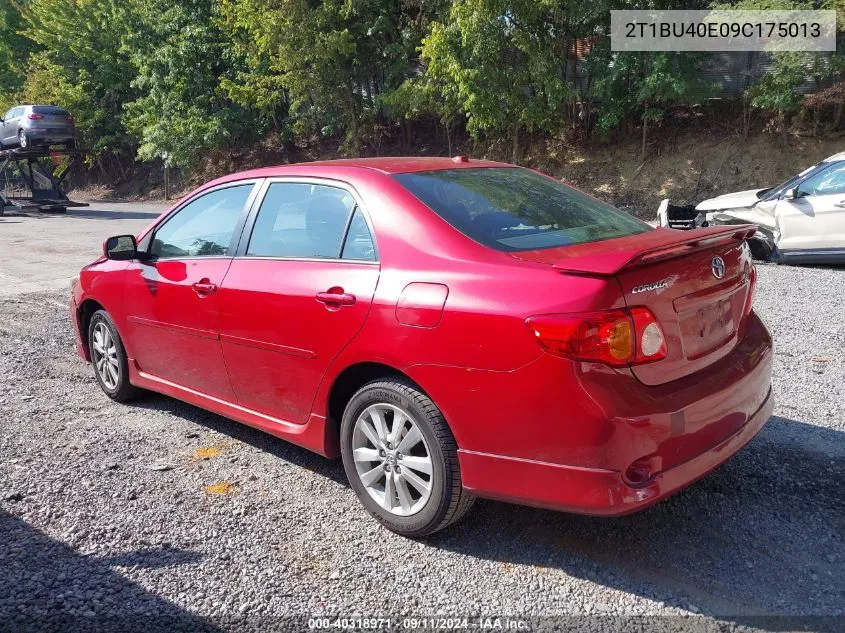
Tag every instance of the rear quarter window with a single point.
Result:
(50, 110)
(514, 209)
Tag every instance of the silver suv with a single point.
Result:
(29, 125)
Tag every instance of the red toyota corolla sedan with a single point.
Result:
(453, 328)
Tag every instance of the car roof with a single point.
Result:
(835, 158)
(384, 165)
(405, 164)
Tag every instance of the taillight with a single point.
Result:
(35, 117)
(752, 290)
(70, 119)
(613, 337)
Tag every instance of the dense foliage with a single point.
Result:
(161, 79)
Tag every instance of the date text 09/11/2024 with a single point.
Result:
(484, 623)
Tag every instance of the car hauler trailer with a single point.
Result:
(29, 182)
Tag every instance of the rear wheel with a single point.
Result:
(111, 365)
(401, 459)
(23, 141)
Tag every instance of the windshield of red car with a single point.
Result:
(514, 209)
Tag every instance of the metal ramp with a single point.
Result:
(29, 182)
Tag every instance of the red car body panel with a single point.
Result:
(173, 332)
(450, 314)
(288, 356)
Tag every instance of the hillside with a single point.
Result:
(688, 168)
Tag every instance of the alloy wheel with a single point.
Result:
(22, 138)
(392, 459)
(104, 352)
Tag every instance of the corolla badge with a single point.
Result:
(718, 267)
(656, 285)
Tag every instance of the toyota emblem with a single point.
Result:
(718, 267)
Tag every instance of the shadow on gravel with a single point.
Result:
(757, 540)
(152, 558)
(331, 469)
(47, 586)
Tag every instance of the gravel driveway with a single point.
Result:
(159, 514)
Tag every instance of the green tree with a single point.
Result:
(14, 52)
(501, 64)
(323, 64)
(425, 96)
(179, 53)
(81, 64)
(643, 85)
(776, 90)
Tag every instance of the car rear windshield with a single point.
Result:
(50, 110)
(514, 209)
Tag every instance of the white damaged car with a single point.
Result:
(801, 221)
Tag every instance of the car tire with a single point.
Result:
(108, 358)
(23, 141)
(403, 498)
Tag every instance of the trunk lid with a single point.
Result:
(700, 313)
(54, 121)
(696, 283)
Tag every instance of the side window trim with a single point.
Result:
(147, 240)
(346, 230)
(252, 216)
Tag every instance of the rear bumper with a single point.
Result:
(585, 438)
(592, 490)
(50, 136)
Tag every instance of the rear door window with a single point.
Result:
(514, 209)
(301, 220)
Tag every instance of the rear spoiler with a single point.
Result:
(612, 256)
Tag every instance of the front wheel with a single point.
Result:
(108, 356)
(401, 459)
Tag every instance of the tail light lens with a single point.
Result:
(613, 337)
(752, 290)
(35, 117)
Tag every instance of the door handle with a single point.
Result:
(204, 287)
(336, 298)
(840, 204)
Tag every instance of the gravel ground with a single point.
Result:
(159, 513)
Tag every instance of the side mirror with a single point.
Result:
(791, 194)
(120, 248)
